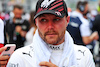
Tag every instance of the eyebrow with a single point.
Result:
(42, 15)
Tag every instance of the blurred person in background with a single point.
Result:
(3, 59)
(1, 33)
(93, 14)
(1, 16)
(31, 32)
(96, 22)
(90, 16)
(16, 27)
(79, 26)
(96, 27)
(26, 16)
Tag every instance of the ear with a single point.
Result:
(68, 19)
(36, 22)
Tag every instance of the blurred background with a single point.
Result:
(7, 5)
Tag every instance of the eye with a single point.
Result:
(57, 19)
(43, 20)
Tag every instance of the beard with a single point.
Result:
(55, 39)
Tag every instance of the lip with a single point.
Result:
(51, 35)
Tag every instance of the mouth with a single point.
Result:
(51, 35)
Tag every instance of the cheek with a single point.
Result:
(64, 25)
(61, 28)
(41, 28)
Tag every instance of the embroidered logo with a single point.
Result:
(13, 65)
(27, 54)
(46, 3)
(58, 13)
(55, 48)
(82, 52)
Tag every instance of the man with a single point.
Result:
(79, 26)
(3, 59)
(52, 45)
(17, 27)
(96, 22)
(96, 27)
(1, 33)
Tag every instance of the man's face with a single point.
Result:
(52, 28)
(18, 12)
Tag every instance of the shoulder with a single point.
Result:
(74, 13)
(84, 21)
(25, 49)
(1, 25)
(23, 52)
(83, 53)
(21, 56)
(78, 47)
(83, 56)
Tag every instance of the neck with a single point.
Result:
(56, 47)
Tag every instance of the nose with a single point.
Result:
(50, 25)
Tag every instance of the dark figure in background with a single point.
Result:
(96, 25)
(16, 28)
(96, 22)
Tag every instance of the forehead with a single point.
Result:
(47, 15)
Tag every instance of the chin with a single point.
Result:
(51, 41)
